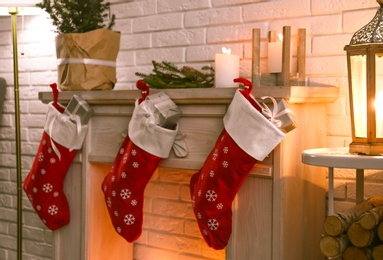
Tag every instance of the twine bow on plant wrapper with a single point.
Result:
(274, 114)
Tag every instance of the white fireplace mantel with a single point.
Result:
(288, 198)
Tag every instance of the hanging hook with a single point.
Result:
(141, 85)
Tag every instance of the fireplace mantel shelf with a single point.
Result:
(292, 94)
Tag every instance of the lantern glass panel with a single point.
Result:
(379, 95)
(359, 94)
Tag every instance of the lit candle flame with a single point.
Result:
(226, 51)
(280, 36)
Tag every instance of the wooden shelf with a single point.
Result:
(292, 94)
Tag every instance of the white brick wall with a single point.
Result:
(184, 32)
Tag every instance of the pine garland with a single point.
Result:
(77, 16)
(167, 75)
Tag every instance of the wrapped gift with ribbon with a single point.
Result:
(69, 128)
(165, 113)
(79, 110)
(279, 114)
(165, 109)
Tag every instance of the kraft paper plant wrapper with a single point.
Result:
(87, 61)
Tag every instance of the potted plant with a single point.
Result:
(86, 47)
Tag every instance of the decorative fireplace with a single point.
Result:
(279, 210)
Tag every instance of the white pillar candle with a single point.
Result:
(274, 54)
(226, 69)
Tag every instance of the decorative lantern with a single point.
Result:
(365, 79)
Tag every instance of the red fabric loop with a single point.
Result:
(247, 91)
(141, 85)
(55, 94)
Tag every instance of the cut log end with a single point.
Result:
(368, 220)
(356, 233)
(334, 225)
(377, 252)
(352, 253)
(333, 246)
(359, 236)
(380, 231)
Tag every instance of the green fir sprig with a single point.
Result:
(167, 75)
(74, 16)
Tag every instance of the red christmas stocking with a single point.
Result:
(248, 137)
(44, 183)
(139, 155)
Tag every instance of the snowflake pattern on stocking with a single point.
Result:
(211, 195)
(129, 219)
(215, 155)
(41, 157)
(47, 187)
(125, 194)
(43, 184)
(128, 177)
(213, 224)
(135, 165)
(125, 159)
(225, 164)
(224, 171)
(53, 210)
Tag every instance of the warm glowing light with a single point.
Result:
(226, 51)
(379, 114)
(379, 104)
(280, 37)
(274, 54)
(226, 69)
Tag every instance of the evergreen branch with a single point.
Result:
(73, 16)
(167, 75)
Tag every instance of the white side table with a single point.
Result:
(341, 158)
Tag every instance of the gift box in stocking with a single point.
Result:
(63, 135)
(279, 114)
(247, 137)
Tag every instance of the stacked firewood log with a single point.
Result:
(356, 233)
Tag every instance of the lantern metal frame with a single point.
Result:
(367, 43)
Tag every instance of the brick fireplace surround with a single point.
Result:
(279, 210)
